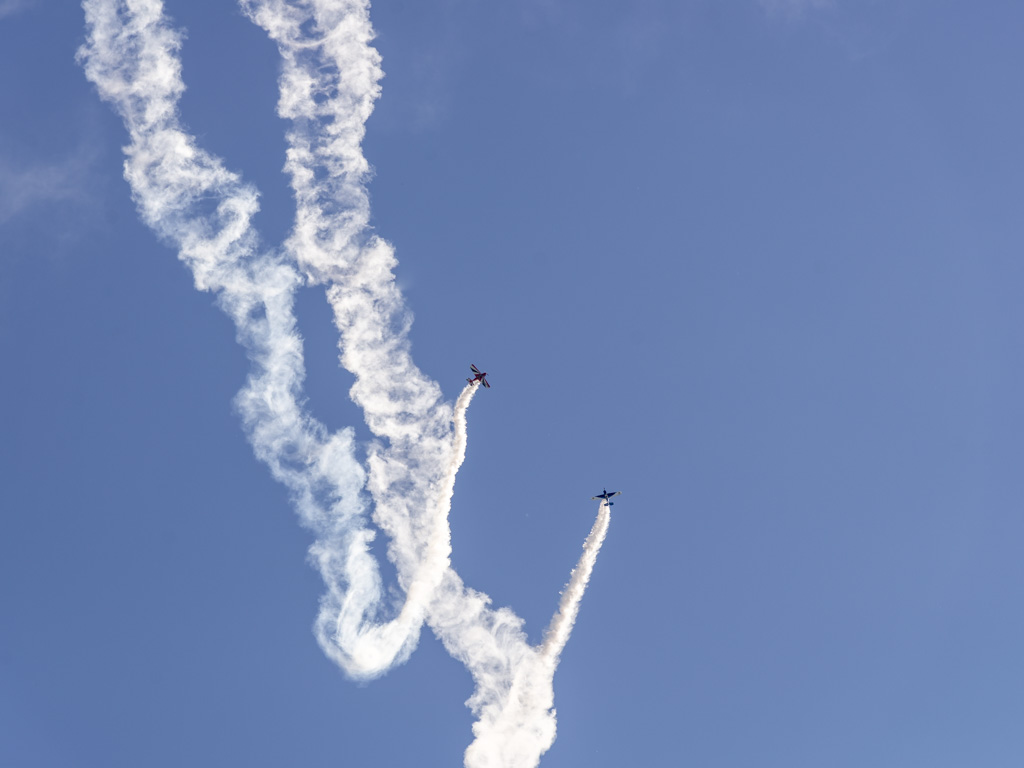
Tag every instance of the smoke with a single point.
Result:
(328, 85)
(569, 606)
(514, 700)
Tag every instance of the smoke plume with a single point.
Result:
(328, 86)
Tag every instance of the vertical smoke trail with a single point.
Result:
(557, 634)
(438, 546)
(328, 87)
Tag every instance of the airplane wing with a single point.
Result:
(475, 369)
(484, 382)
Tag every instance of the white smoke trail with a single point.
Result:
(514, 699)
(436, 556)
(191, 200)
(328, 86)
(558, 631)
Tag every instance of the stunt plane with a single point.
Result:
(479, 375)
(606, 496)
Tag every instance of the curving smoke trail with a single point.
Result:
(328, 86)
(204, 210)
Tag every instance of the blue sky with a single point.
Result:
(754, 264)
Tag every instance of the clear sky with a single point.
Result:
(755, 264)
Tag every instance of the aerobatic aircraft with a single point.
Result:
(478, 375)
(606, 496)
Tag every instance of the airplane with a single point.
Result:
(479, 375)
(606, 496)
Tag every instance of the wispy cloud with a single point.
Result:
(11, 7)
(27, 185)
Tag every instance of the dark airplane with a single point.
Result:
(606, 496)
(478, 375)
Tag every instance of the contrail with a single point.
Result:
(328, 86)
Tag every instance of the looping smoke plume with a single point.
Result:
(328, 86)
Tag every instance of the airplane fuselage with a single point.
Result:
(478, 375)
